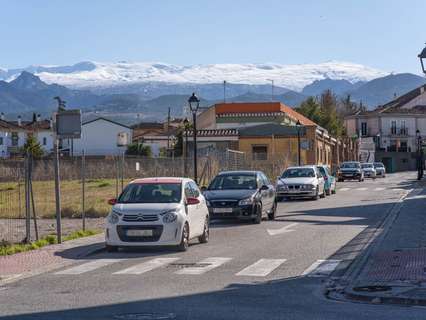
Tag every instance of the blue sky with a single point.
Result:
(383, 34)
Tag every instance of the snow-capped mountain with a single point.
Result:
(103, 75)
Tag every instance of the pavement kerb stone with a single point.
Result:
(96, 241)
(345, 283)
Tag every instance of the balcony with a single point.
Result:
(399, 132)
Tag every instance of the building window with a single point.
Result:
(44, 141)
(363, 128)
(1, 141)
(393, 127)
(15, 139)
(403, 128)
(259, 152)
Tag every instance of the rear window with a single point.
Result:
(366, 165)
(350, 165)
(151, 193)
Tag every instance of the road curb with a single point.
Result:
(346, 288)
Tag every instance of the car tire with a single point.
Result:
(340, 180)
(271, 215)
(279, 199)
(111, 248)
(184, 242)
(258, 218)
(204, 238)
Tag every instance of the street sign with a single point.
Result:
(68, 124)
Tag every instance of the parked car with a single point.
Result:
(329, 179)
(246, 195)
(301, 182)
(368, 170)
(157, 212)
(380, 169)
(350, 170)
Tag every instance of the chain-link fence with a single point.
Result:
(27, 187)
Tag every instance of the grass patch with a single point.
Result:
(9, 249)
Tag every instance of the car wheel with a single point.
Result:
(111, 248)
(271, 215)
(279, 199)
(184, 242)
(340, 180)
(204, 238)
(258, 218)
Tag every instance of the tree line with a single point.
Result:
(329, 111)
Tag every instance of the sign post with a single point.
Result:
(67, 126)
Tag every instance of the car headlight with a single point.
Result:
(245, 202)
(282, 187)
(169, 216)
(113, 218)
(312, 186)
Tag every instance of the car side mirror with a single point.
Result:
(264, 187)
(203, 189)
(192, 201)
(112, 201)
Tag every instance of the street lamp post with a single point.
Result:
(422, 56)
(419, 155)
(194, 104)
(185, 145)
(298, 125)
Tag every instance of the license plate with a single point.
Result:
(222, 210)
(139, 233)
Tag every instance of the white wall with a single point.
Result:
(100, 138)
(48, 148)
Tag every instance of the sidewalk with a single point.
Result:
(25, 264)
(395, 269)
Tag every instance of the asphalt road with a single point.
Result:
(275, 270)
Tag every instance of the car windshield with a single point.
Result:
(151, 193)
(350, 165)
(366, 165)
(378, 165)
(299, 173)
(233, 182)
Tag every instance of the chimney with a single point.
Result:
(19, 121)
(2, 116)
(38, 117)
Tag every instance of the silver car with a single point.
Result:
(380, 169)
(301, 182)
(368, 170)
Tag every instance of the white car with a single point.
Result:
(380, 169)
(301, 182)
(368, 170)
(157, 212)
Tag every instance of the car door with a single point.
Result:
(200, 212)
(321, 182)
(266, 203)
(271, 191)
(191, 211)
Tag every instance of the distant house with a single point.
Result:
(102, 136)
(43, 131)
(393, 128)
(12, 138)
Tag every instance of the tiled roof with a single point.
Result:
(215, 133)
(8, 125)
(260, 109)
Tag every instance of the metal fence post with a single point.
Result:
(27, 202)
(57, 193)
(83, 186)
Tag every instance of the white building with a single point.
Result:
(102, 136)
(394, 127)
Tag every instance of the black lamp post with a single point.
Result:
(419, 155)
(194, 104)
(422, 56)
(298, 125)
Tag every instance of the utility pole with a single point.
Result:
(224, 91)
(168, 130)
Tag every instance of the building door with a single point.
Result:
(388, 162)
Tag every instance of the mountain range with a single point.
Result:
(149, 97)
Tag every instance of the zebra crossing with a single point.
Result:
(260, 268)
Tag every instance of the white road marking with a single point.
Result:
(211, 263)
(345, 189)
(261, 268)
(89, 266)
(285, 229)
(321, 268)
(361, 189)
(379, 189)
(147, 266)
